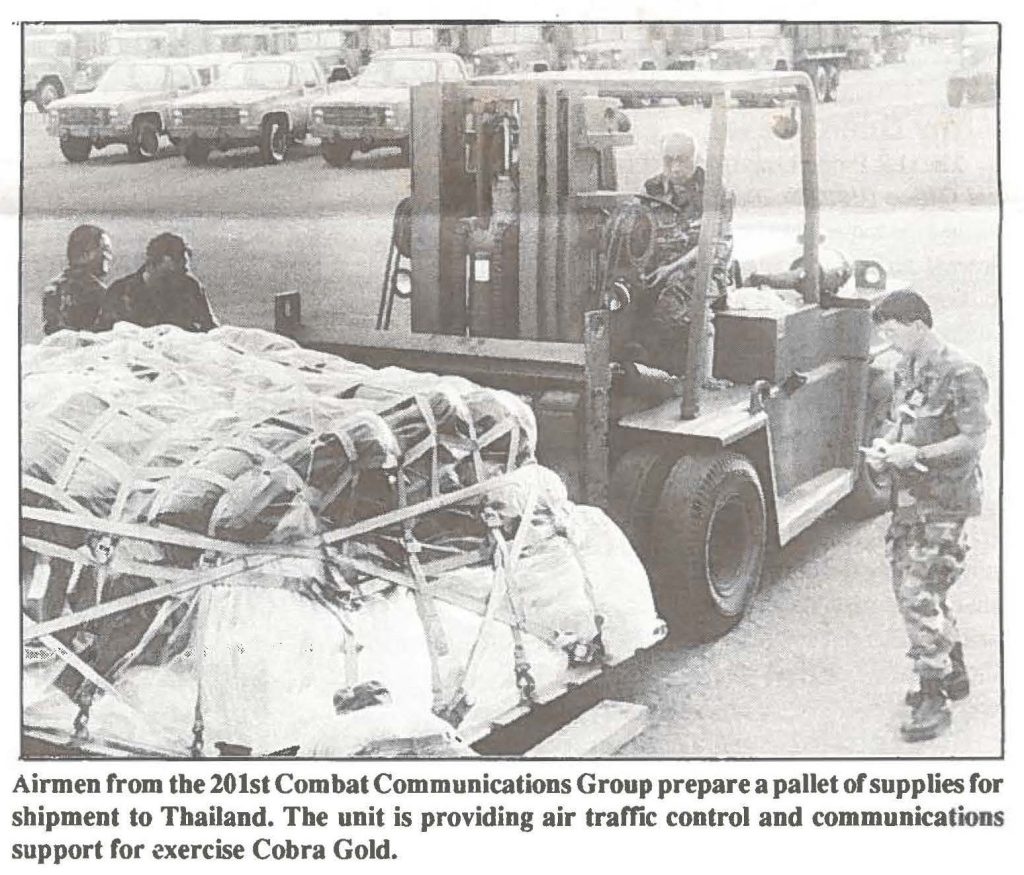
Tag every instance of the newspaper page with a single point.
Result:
(510, 437)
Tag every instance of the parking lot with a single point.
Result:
(904, 179)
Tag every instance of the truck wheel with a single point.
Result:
(832, 88)
(954, 92)
(274, 138)
(633, 493)
(196, 151)
(336, 154)
(820, 82)
(710, 538)
(46, 93)
(76, 149)
(145, 143)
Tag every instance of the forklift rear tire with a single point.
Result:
(336, 154)
(710, 539)
(633, 492)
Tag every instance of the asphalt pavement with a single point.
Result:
(817, 668)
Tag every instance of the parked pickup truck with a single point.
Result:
(130, 105)
(373, 109)
(259, 101)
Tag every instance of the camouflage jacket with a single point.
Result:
(72, 300)
(934, 399)
(177, 299)
(688, 199)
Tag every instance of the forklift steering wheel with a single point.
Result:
(657, 201)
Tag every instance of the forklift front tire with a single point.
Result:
(710, 540)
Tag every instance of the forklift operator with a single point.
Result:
(660, 339)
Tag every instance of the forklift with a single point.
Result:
(523, 268)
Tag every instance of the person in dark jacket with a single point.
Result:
(161, 292)
(73, 299)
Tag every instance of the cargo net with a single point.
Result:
(234, 545)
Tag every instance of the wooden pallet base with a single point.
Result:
(597, 732)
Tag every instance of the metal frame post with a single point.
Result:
(710, 224)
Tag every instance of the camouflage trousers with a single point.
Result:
(927, 558)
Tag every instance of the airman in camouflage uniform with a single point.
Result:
(932, 450)
(73, 299)
(663, 334)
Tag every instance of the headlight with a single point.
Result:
(616, 56)
(389, 113)
(112, 114)
(713, 56)
(318, 114)
(582, 57)
(243, 116)
(176, 116)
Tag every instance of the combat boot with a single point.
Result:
(930, 717)
(956, 685)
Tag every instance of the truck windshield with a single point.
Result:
(137, 45)
(269, 75)
(750, 31)
(398, 72)
(504, 34)
(40, 47)
(421, 36)
(133, 77)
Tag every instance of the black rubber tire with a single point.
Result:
(710, 538)
(820, 82)
(76, 149)
(633, 493)
(145, 144)
(196, 152)
(336, 154)
(274, 141)
(832, 89)
(47, 93)
(955, 93)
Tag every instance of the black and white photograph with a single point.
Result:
(543, 389)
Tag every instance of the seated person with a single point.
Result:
(662, 328)
(161, 292)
